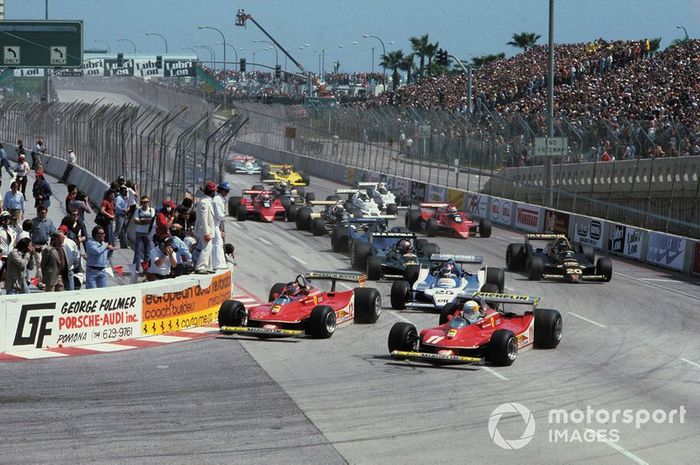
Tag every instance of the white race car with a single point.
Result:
(381, 196)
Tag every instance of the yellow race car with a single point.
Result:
(284, 173)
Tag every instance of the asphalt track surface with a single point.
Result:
(628, 344)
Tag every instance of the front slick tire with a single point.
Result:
(403, 337)
(321, 323)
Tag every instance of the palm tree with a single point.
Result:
(407, 65)
(486, 59)
(393, 60)
(419, 46)
(430, 52)
(524, 40)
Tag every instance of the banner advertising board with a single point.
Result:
(72, 318)
(478, 205)
(456, 197)
(625, 240)
(666, 250)
(588, 231)
(527, 217)
(436, 194)
(696, 258)
(556, 222)
(418, 191)
(501, 211)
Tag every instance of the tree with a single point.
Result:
(430, 53)
(654, 44)
(486, 59)
(393, 60)
(420, 45)
(408, 65)
(524, 40)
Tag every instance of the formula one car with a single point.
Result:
(444, 282)
(259, 204)
(395, 254)
(477, 331)
(358, 202)
(444, 218)
(243, 164)
(355, 230)
(284, 173)
(385, 199)
(557, 260)
(324, 221)
(292, 198)
(298, 308)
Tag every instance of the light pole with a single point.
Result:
(133, 45)
(212, 55)
(549, 164)
(162, 37)
(109, 49)
(368, 36)
(684, 30)
(190, 48)
(223, 38)
(274, 48)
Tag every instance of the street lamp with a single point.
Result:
(190, 48)
(684, 30)
(223, 38)
(273, 46)
(322, 58)
(133, 45)
(162, 37)
(368, 36)
(109, 49)
(212, 55)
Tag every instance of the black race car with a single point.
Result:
(558, 260)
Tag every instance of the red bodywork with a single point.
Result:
(470, 340)
(266, 211)
(454, 223)
(292, 315)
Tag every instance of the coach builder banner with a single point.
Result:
(167, 308)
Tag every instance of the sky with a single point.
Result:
(465, 28)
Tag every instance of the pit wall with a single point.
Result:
(656, 248)
(94, 316)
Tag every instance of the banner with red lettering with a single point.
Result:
(528, 217)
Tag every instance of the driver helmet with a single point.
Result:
(362, 195)
(451, 209)
(292, 288)
(283, 184)
(381, 188)
(560, 245)
(447, 270)
(338, 208)
(264, 196)
(471, 308)
(404, 246)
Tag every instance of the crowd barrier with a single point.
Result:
(84, 317)
(668, 251)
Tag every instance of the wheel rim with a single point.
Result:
(378, 306)
(412, 339)
(512, 347)
(244, 318)
(330, 322)
(557, 330)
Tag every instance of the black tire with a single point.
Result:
(400, 292)
(368, 305)
(257, 187)
(411, 273)
(588, 252)
(233, 203)
(275, 290)
(310, 196)
(447, 310)
(374, 268)
(265, 172)
(485, 227)
(413, 219)
(242, 213)
(286, 202)
(318, 227)
(303, 220)
(515, 257)
(503, 348)
(300, 191)
(548, 326)
(339, 239)
(392, 209)
(535, 268)
(430, 248)
(432, 227)
(292, 213)
(321, 323)
(497, 277)
(306, 179)
(333, 197)
(402, 337)
(604, 266)
(360, 252)
(400, 229)
(232, 313)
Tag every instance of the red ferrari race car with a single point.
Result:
(256, 203)
(478, 330)
(297, 308)
(445, 219)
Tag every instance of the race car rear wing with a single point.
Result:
(476, 259)
(434, 204)
(372, 219)
(251, 191)
(347, 191)
(497, 298)
(397, 235)
(270, 181)
(333, 276)
(281, 166)
(544, 236)
(367, 184)
(322, 202)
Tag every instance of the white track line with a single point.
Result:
(297, 259)
(622, 450)
(692, 363)
(264, 241)
(485, 368)
(661, 280)
(659, 286)
(586, 319)
(35, 354)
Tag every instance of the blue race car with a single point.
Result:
(356, 230)
(444, 281)
(243, 164)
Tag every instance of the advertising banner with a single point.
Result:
(588, 231)
(350, 175)
(501, 211)
(417, 191)
(625, 240)
(170, 308)
(456, 197)
(400, 187)
(666, 250)
(696, 258)
(436, 194)
(72, 318)
(478, 205)
(179, 68)
(527, 217)
(556, 222)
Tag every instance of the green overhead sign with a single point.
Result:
(41, 44)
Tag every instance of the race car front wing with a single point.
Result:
(256, 331)
(430, 357)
